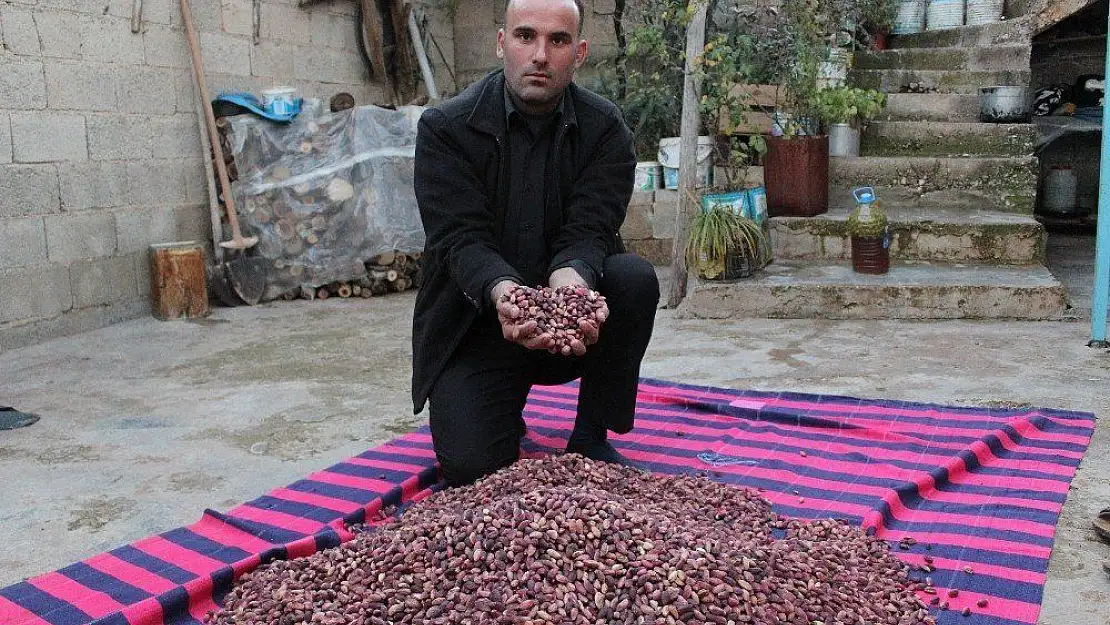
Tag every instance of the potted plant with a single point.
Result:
(843, 109)
(877, 20)
(870, 234)
(724, 245)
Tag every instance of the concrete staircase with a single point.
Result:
(960, 196)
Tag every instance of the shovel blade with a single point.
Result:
(248, 278)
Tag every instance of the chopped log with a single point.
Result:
(289, 295)
(340, 190)
(308, 293)
(178, 288)
(401, 284)
(342, 102)
(366, 294)
(356, 290)
(385, 259)
(322, 293)
(392, 275)
(344, 290)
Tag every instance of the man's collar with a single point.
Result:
(511, 108)
(489, 112)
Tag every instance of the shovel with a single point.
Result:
(245, 276)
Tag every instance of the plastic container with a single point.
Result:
(735, 201)
(843, 140)
(944, 14)
(910, 17)
(1003, 104)
(757, 204)
(280, 100)
(983, 12)
(1060, 187)
(669, 148)
(649, 176)
(870, 253)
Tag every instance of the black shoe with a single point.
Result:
(600, 450)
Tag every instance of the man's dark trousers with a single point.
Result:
(477, 400)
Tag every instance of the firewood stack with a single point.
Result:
(390, 272)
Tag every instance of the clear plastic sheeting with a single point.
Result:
(326, 193)
(1052, 127)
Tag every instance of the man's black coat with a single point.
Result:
(461, 182)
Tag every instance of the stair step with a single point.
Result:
(920, 230)
(1014, 31)
(1006, 184)
(993, 58)
(933, 138)
(955, 107)
(944, 81)
(911, 290)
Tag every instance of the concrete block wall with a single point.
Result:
(100, 152)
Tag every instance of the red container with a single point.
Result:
(870, 255)
(796, 174)
(880, 41)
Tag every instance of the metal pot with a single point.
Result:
(1003, 104)
(843, 140)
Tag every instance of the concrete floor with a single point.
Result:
(145, 424)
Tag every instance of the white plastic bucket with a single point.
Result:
(983, 12)
(1003, 104)
(843, 140)
(280, 100)
(910, 17)
(943, 14)
(649, 176)
(669, 148)
(1060, 186)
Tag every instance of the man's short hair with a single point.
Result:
(577, 3)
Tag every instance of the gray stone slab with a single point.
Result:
(43, 137)
(330, 66)
(22, 85)
(80, 236)
(59, 34)
(943, 107)
(120, 137)
(103, 281)
(93, 184)
(21, 36)
(286, 23)
(81, 86)
(944, 81)
(34, 292)
(22, 242)
(137, 228)
(332, 30)
(935, 138)
(28, 190)
(911, 290)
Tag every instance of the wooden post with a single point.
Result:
(178, 288)
(688, 153)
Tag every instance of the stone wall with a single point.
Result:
(99, 144)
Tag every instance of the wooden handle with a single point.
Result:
(221, 167)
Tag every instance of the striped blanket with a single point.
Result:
(980, 490)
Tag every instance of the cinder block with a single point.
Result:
(224, 54)
(119, 137)
(238, 17)
(666, 208)
(161, 11)
(207, 15)
(330, 66)
(22, 86)
(155, 182)
(35, 292)
(28, 190)
(94, 184)
(637, 222)
(109, 40)
(43, 137)
(284, 22)
(175, 136)
(148, 90)
(60, 34)
(22, 242)
(135, 228)
(142, 273)
(334, 31)
(80, 235)
(80, 86)
(192, 223)
(117, 8)
(5, 138)
(273, 59)
(165, 47)
(21, 36)
(103, 281)
(184, 92)
(196, 184)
